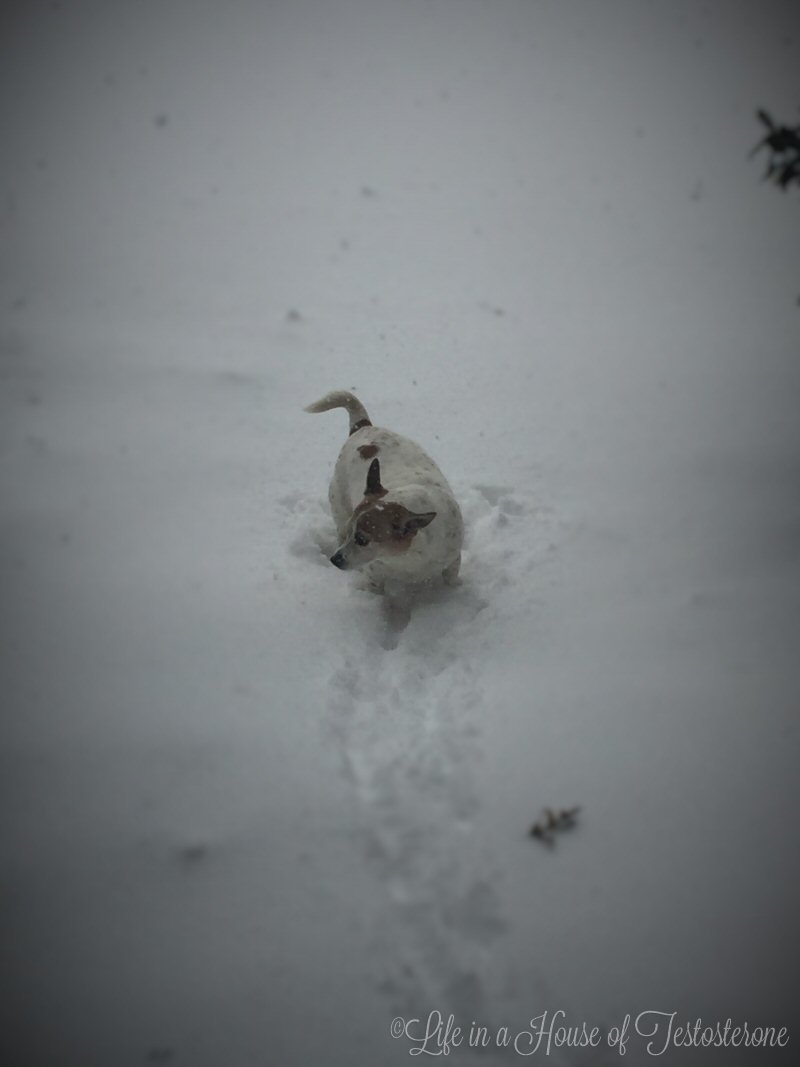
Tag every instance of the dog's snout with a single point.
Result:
(338, 560)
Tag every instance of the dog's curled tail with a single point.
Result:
(341, 399)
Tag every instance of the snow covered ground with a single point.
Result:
(244, 820)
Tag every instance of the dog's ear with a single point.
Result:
(374, 487)
(416, 522)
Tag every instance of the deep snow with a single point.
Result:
(244, 820)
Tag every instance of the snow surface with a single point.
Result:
(246, 818)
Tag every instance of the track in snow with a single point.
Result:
(407, 710)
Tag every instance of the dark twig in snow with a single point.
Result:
(551, 822)
(783, 144)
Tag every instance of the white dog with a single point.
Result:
(395, 514)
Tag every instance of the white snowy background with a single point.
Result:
(238, 826)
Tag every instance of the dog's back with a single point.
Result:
(402, 463)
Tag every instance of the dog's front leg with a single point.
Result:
(450, 573)
(372, 578)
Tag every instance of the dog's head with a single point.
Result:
(379, 527)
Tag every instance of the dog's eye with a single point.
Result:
(360, 539)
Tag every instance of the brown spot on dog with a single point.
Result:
(367, 451)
